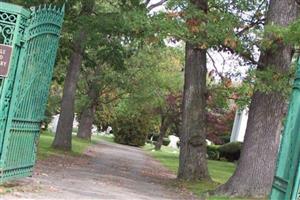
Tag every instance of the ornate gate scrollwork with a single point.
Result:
(33, 36)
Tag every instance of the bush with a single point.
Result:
(213, 152)
(154, 136)
(130, 131)
(225, 138)
(231, 151)
(166, 141)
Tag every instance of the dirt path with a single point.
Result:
(106, 171)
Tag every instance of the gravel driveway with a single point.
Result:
(105, 171)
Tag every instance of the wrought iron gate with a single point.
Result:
(287, 177)
(32, 36)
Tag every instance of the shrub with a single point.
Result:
(166, 141)
(213, 152)
(153, 136)
(131, 130)
(231, 151)
(225, 138)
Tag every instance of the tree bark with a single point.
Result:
(63, 136)
(87, 117)
(254, 174)
(192, 160)
(162, 132)
(86, 123)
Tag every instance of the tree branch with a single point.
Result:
(251, 25)
(215, 67)
(147, 2)
(243, 55)
(151, 7)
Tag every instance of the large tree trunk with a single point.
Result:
(63, 136)
(87, 117)
(192, 158)
(162, 132)
(86, 123)
(192, 161)
(256, 167)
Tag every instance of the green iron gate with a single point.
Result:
(28, 45)
(287, 177)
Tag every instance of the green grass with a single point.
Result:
(107, 138)
(220, 171)
(45, 150)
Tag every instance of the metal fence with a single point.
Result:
(28, 45)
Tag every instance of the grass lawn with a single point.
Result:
(45, 149)
(107, 138)
(220, 171)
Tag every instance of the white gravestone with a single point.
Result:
(173, 141)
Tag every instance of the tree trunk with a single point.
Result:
(87, 117)
(63, 136)
(192, 160)
(86, 123)
(254, 174)
(162, 132)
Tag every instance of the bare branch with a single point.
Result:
(147, 2)
(215, 67)
(151, 7)
(255, 20)
(251, 25)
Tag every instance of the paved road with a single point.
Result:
(106, 171)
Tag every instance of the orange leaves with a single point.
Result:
(193, 25)
(227, 82)
(230, 42)
(175, 14)
(203, 46)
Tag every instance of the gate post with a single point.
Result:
(287, 175)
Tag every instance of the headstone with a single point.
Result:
(108, 130)
(173, 141)
(53, 123)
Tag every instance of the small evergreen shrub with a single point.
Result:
(131, 131)
(225, 138)
(213, 152)
(153, 136)
(166, 141)
(231, 151)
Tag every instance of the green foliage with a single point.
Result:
(288, 34)
(231, 151)
(131, 130)
(213, 152)
(154, 136)
(270, 80)
(166, 141)
(244, 93)
(225, 138)
(152, 76)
